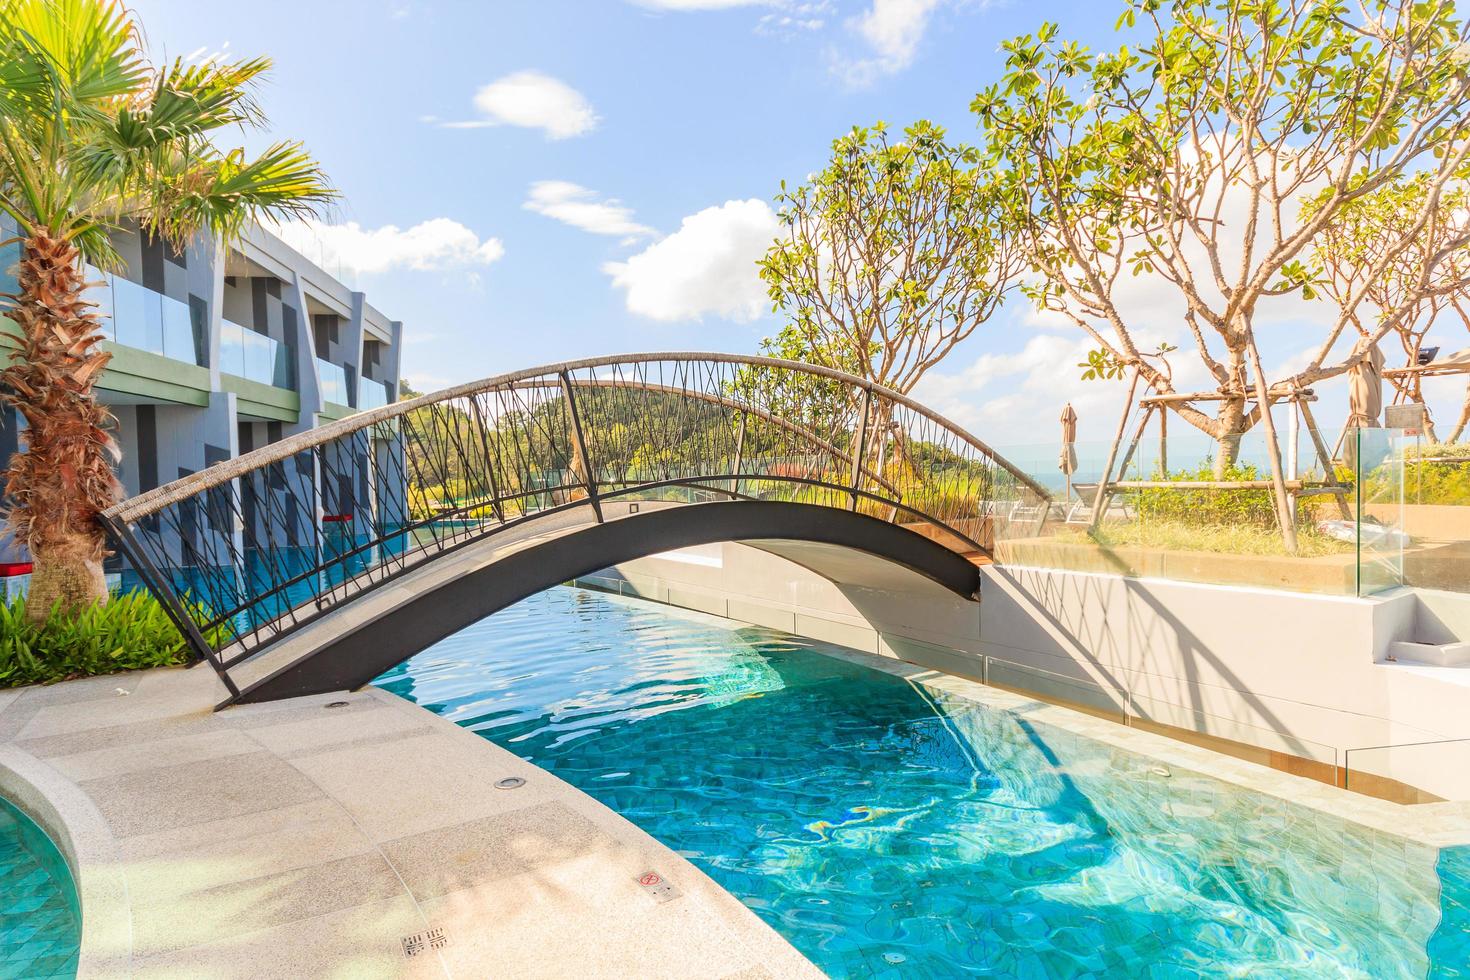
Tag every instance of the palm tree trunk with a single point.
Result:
(63, 477)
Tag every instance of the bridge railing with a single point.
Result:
(253, 548)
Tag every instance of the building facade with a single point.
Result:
(215, 352)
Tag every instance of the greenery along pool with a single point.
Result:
(40, 931)
(887, 829)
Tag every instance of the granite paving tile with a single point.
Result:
(222, 911)
(197, 792)
(452, 858)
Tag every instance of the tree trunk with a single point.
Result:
(1463, 419)
(1227, 451)
(73, 580)
(63, 476)
(1230, 419)
(1284, 512)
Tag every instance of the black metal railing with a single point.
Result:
(253, 548)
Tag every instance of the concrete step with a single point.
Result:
(1455, 654)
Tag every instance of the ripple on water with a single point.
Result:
(891, 830)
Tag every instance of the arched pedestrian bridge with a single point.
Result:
(318, 562)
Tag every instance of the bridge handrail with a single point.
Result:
(152, 501)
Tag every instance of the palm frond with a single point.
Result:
(91, 136)
(64, 54)
(219, 193)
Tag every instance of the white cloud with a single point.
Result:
(892, 30)
(422, 381)
(785, 17)
(439, 243)
(700, 4)
(1014, 398)
(575, 205)
(533, 100)
(707, 266)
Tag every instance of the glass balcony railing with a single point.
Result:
(136, 316)
(334, 381)
(254, 356)
(372, 394)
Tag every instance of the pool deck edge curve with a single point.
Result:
(351, 833)
(91, 852)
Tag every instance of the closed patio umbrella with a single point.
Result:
(1067, 462)
(1365, 394)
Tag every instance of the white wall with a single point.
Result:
(1284, 671)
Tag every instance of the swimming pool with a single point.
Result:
(889, 829)
(39, 920)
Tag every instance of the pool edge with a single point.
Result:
(91, 852)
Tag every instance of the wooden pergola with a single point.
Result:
(1300, 400)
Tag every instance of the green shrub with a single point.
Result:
(131, 632)
(1207, 508)
(1432, 474)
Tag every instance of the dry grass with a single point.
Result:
(1176, 536)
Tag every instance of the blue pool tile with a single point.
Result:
(890, 830)
(39, 933)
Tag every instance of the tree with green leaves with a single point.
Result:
(1187, 158)
(93, 140)
(892, 255)
(1408, 289)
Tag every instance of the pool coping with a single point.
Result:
(582, 903)
(91, 852)
(1445, 824)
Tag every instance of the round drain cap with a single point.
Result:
(337, 704)
(510, 782)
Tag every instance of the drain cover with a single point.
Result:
(510, 782)
(422, 942)
(337, 704)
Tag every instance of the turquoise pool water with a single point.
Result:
(39, 920)
(890, 830)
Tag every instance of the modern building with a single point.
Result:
(216, 352)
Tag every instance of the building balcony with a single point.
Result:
(373, 394)
(334, 382)
(136, 316)
(253, 356)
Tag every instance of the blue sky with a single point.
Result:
(533, 180)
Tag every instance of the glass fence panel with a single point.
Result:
(137, 319)
(1180, 506)
(334, 381)
(372, 394)
(1423, 772)
(181, 333)
(1115, 699)
(1375, 459)
(254, 356)
(1234, 736)
(99, 292)
(1435, 514)
(232, 349)
(283, 369)
(260, 357)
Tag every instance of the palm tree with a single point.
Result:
(94, 139)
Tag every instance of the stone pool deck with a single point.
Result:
(366, 839)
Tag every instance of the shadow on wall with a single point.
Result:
(1109, 629)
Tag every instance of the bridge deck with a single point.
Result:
(357, 640)
(361, 613)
